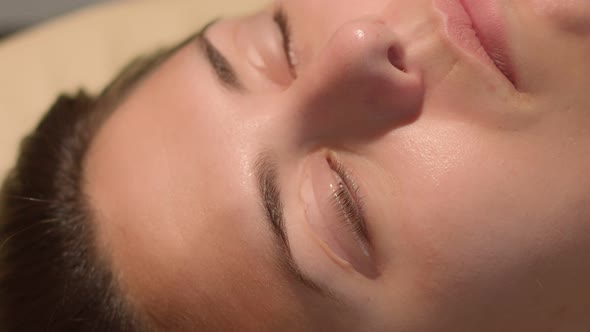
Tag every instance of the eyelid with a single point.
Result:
(339, 233)
(259, 43)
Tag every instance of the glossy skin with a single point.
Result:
(475, 191)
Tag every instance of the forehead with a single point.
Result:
(173, 203)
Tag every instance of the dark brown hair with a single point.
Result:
(52, 276)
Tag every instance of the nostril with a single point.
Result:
(395, 54)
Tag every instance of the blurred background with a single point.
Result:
(19, 14)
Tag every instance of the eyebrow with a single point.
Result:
(270, 198)
(223, 69)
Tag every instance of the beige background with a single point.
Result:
(85, 49)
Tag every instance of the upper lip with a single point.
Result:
(494, 45)
(478, 26)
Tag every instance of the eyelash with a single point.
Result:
(345, 199)
(280, 18)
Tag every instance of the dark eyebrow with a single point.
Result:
(223, 69)
(268, 189)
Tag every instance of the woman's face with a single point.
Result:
(393, 165)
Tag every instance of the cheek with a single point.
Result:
(569, 15)
(490, 229)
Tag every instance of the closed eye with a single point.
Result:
(282, 21)
(345, 199)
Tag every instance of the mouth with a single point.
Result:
(478, 27)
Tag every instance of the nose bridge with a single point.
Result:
(358, 86)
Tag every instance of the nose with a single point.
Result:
(359, 86)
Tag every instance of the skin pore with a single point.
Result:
(465, 196)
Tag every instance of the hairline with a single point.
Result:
(109, 99)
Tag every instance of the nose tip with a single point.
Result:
(360, 83)
(358, 42)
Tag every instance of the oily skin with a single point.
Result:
(476, 191)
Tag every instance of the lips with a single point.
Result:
(478, 26)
